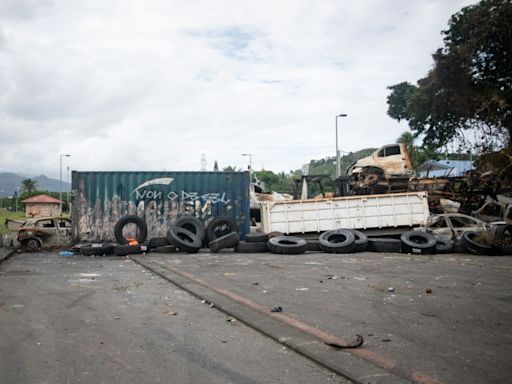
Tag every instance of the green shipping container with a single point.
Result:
(101, 198)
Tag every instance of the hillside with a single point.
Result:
(10, 182)
(327, 166)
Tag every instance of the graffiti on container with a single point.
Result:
(213, 198)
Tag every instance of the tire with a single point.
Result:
(33, 244)
(444, 246)
(505, 251)
(124, 250)
(97, 251)
(244, 247)
(313, 246)
(384, 245)
(227, 241)
(184, 240)
(274, 234)
(287, 245)
(418, 242)
(166, 249)
(504, 231)
(214, 231)
(192, 224)
(474, 247)
(156, 242)
(361, 242)
(130, 219)
(256, 238)
(337, 241)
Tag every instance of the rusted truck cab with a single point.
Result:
(388, 169)
(45, 232)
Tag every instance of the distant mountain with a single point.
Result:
(10, 182)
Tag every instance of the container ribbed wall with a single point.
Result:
(101, 198)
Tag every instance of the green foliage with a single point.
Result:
(470, 85)
(28, 186)
(231, 168)
(7, 214)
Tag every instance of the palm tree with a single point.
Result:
(28, 186)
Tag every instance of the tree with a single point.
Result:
(470, 85)
(28, 186)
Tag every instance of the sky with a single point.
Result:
(155, 84)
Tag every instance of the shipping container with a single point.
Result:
(99, 199)
(367, 212)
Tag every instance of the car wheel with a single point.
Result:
(473, 245)
(32, 244)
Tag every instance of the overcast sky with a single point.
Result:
(154, 84)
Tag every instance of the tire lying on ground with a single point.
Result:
(337, 241)
(472, 244)
(156, 242)
(245, 247)
(166, 249)
(227, 241)
(192, 224)
(361, 241)
(184, 240)
(96, 250)
(384, 245)
(418, 242)
(287, 245)
(124, 250)
(444, 246)
(130, 219)
(256, 238)
(220, 226)
(313, 246)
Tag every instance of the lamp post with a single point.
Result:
(60, 182)
(250, 164)
(338, 171)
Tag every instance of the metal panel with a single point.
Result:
(356, 212)
(101, 198)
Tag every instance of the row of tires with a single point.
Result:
(189, 235)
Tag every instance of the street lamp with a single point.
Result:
(250, 164)
(60, 183)
(338, 171)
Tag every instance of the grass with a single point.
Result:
(5, 214)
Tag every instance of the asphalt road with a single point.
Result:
(448, 317)
(108, 320)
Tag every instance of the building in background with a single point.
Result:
(41, 206)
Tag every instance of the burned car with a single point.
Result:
(45, 233)
(451, 226)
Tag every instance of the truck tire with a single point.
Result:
(418, 242)
(97, 251)
(166, 249)
(184, 240)
(124, 250)
(215, 230)
(337, 241)
(193, 224)
(313, 246)
(384, 245)
(256, 238)
(361, 242)
(287, 245)
(226, 241)
(130, 219)
(245, 247)
(444, 246)
(473, 246)
(156, 242)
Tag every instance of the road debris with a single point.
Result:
(170, 313)
(428, 290)
(391, 289)
(302, 289)
(277, 309)
(339, 344)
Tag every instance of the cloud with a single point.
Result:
(154, 85)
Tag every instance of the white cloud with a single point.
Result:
(153, 85)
